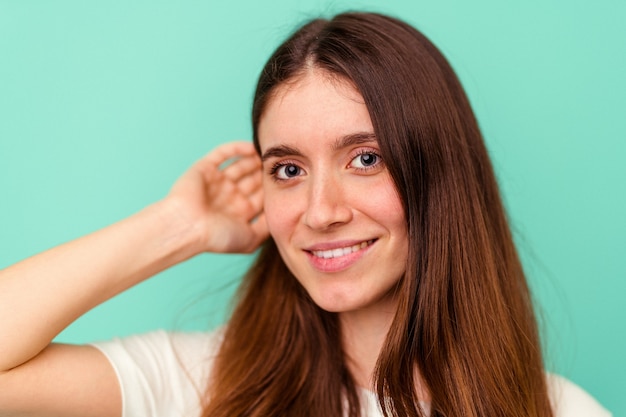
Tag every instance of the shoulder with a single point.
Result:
(165, 351)
(570, 400)
(162, 373)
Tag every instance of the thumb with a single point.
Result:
(260, 232)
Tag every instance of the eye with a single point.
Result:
(286, 171)
(366, 160)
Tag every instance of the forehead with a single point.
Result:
(314, 107)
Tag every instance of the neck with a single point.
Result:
(363, 333)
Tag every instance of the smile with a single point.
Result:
(338, 252)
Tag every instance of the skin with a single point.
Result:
(217, 210)
(327, 189)
(207, 210)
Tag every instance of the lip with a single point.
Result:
(353, 250)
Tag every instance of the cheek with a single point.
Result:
(389, 212)
(397, 219)
(386, 205)
(278, 214)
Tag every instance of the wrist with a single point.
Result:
(180, 232)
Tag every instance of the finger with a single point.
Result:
(227, 151)
(242, 167)
(256, 202)
(250, 183)
(209, 165)
(260, 232)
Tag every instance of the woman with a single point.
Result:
(390, 267)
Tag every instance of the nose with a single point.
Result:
(328, 203)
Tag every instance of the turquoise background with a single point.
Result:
(104, 104)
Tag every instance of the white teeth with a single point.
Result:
(335, 253)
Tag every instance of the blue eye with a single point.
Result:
(366, 160)
(287, 171)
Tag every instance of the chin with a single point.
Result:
(339, 303)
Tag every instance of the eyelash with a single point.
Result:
(278, 165)
(362, 152)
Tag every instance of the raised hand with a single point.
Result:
(215, 206)
(221, 198)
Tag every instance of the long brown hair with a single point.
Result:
(465, 319)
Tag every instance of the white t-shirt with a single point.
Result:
(164, 374)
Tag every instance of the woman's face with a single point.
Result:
(330, 203)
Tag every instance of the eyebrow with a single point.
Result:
(280, 151)
(354, 139)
